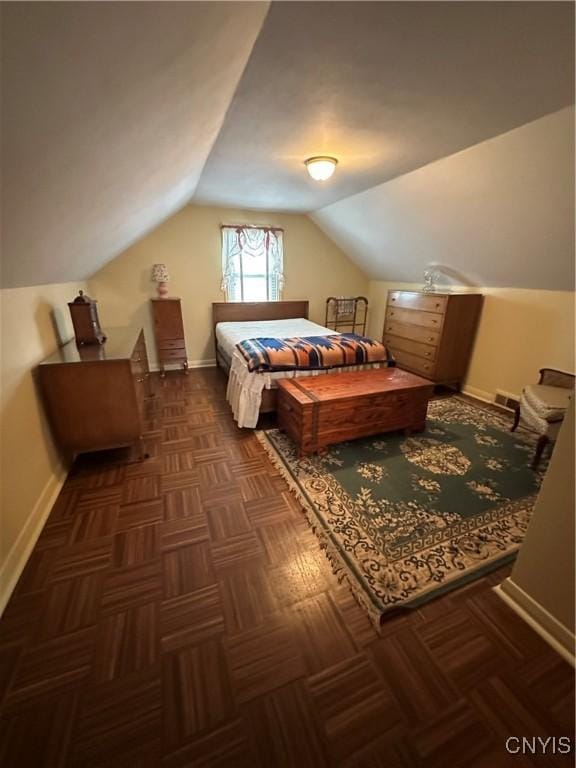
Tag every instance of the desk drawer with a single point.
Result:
(423, 301)
(414, 317)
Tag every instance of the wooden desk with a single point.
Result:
(94, 395)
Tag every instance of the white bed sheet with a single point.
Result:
(245, 388)
(230, 334)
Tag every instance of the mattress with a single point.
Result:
(230, 334)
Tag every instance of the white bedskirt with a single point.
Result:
(244, 391)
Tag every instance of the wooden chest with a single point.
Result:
(432, 334)
(321, 410)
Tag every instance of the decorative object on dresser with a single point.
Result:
(84, 314)
(94, 396)
(432, 334)
(347, 313)
(169, 333)
(430, 278)
(320, 411)
(161, 277)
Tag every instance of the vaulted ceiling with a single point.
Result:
(117, 114)
(110, 110)
(386, 87)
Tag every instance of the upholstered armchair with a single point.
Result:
(543, 406)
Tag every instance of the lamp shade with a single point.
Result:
(160, 273)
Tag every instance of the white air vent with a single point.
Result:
(506, 400)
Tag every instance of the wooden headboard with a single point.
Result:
(240, 311)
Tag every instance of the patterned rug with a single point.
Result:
(403, 519)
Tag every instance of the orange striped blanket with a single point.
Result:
(312, 352)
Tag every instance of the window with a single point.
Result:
(252, 263)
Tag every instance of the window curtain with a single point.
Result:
(262, 245)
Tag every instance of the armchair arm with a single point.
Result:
(552, 418)
(555, 378)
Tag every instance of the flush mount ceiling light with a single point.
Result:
(321, 168)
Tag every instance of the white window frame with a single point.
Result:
(242, 242)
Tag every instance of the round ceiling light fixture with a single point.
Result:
(321, 168)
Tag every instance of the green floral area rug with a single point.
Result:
(403, 519)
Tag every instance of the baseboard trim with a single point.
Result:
(559, 637)
(11, 569)
(155, 368)
(479, 394)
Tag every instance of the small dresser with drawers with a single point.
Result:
(169, 333)
(432, 334)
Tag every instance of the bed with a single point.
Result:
(251, 393)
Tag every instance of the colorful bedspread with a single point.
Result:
(308, 352)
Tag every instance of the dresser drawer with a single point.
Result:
(413, 363)
(414, 317)
(425, 301)
(424, 351)
(414, 332)
(172, 354)
(171, 344)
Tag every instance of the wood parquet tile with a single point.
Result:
(355, 707)
(285, 729)
(179, 613)
(126, 642)
(197, 692)
(191, 618)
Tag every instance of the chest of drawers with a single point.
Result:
(432, 334)
(94, 395)
(169, 333)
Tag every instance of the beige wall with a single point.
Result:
(542, 581)
(189, 244)
(30, 470)
(520, 331)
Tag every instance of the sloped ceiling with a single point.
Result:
(386, 87)
(117, 114)
(500, 213)
(109, 112)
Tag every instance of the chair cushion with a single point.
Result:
(549, 403)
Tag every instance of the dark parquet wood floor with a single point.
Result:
(179, 612)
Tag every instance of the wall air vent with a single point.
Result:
(506, 400)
